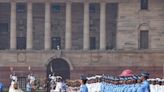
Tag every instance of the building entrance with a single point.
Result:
(59, 67)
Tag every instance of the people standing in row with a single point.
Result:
(119, 83)
(156, 85)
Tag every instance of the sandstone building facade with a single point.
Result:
(73, 37)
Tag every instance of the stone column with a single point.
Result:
(47, 40)
(86, 27)
(13, 26)
(68, 33)
(29, 26)
(103, 26)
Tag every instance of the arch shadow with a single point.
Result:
(59, 67)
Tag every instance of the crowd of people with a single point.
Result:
(98, 83)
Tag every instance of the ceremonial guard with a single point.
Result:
(31, 78)
(145, 84)
(13, 78)
(14, 87)
(52, 78)
(83, 87)
(1, 87)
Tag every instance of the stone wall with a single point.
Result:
(85, 62)
(130, 20)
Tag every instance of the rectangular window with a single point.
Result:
(144, 39)
(21, 43)
(56, 43)
(92, 25)
(111, 25)
(4, 36)
(92, 8)
(3, 27)
(22, 82)
(144, 4)
(21, 8)
(56, 8)
(92, 43)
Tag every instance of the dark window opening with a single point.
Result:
(92, 43)
(56, 43)
(21, 43)
(56, 8)
(3, 27)
(111, 25)
(92, 8)
(144, 39)
(4, 36)
(21, 8)
(144, 4)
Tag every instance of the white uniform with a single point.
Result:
(15, 90)
(31, 78)
(14, 78)
(12, 89)
(152, 88)
(52, 78)
(156, 87)
(58, 87)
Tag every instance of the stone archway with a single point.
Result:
(60, 67)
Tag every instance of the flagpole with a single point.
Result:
(51, 68)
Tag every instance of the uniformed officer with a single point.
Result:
(13, 78)
(28, 87)
(145, 84)
(31, 78)
(83, 87)
(162, 85)
(52, 78)
(1, 87)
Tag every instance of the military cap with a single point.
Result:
(82, 77)
(146, 74)
(135, 77)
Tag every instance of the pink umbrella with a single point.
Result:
(126, 72)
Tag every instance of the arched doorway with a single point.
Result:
(60, 67)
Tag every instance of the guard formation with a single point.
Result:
(135, 83)
(119, 83)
